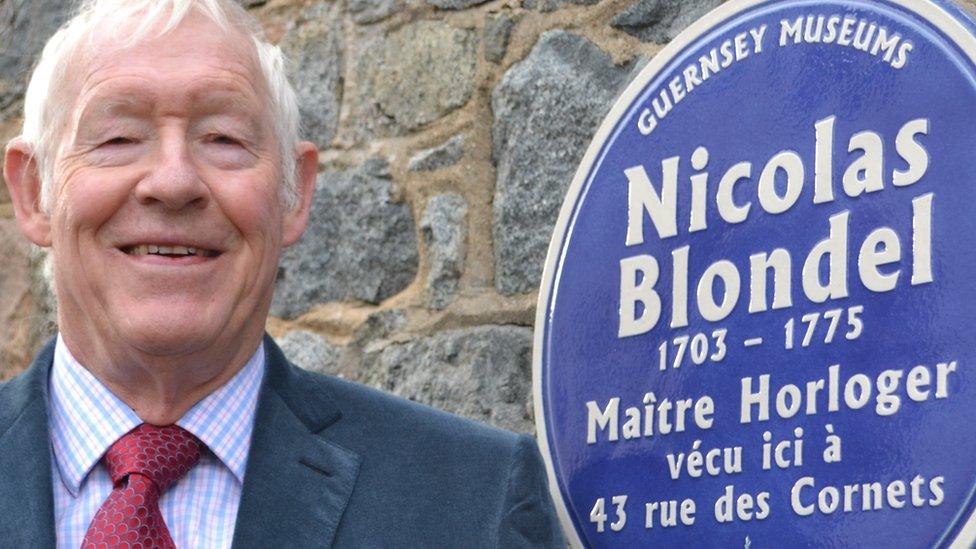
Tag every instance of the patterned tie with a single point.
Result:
(142, 464)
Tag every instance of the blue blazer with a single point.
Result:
(332, 463)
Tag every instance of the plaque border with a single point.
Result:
(952, 21)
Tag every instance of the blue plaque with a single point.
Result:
(757, 322)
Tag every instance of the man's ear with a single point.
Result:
(306, 168)
(23, 179)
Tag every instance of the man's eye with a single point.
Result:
(224, 140)
(119, 141)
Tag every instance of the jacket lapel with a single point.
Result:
(26, 506)
(297, 483)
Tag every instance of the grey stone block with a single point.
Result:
(44, 317)
(365, 12)
(444, 227)
(498, 30)
(359, 244)
(377, 328)
(25, 25)
(310, 351)
(549, 5)
(442, 156)
(660, 21)
(483, 373)
(314, 48)
(454, 4)
(413, 76)
(546, 110)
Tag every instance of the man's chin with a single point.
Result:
(161, 338)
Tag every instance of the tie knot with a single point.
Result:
(163, 454)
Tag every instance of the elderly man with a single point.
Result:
(160, 163)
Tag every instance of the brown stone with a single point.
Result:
(8, 130)
(414, 75)
(15, 300)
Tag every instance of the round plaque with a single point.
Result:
(757, 322)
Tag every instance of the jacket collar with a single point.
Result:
(297, 483)
(27, 506)
(295, 490)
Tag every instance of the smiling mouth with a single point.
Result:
(169, 251)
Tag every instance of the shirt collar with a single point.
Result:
(224, 419)
(86, 418)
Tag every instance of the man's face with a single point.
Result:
(166, 226)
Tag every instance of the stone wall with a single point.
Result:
(449, 131)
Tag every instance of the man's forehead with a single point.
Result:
(141, 97)
(215, 71)
(118, 43)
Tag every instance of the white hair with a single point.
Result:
(45, 111)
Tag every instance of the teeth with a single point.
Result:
(144, 249)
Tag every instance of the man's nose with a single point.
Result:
(174, 181)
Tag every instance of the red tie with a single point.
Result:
(142, 464)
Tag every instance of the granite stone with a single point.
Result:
(484, 373)
(550, 5)
(310, 351)
(365, 12)
(314, 49)
(444, 229)
(442, 156)
(15, 300)
(413, 76)
(659, 21)
(44, 313)
(498, 31)
(360, 245)
(455, 4)
(546, 110)
(25, 26)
